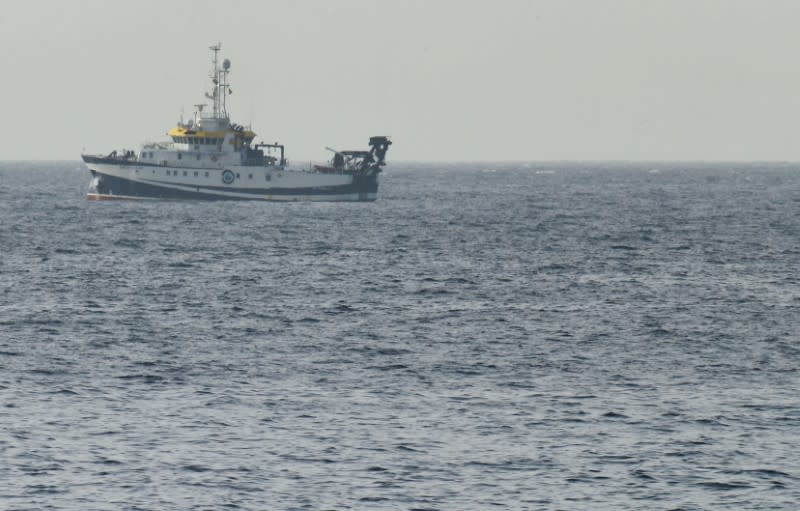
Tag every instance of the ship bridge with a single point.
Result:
(213, 131)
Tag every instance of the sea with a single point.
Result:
(524, 336)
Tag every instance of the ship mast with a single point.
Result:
(219, 76)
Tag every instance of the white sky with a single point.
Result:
(448, 80)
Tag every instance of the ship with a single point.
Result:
(208, 157)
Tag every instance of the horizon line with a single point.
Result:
(546, 161)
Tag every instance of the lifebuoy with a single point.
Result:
(228, 177)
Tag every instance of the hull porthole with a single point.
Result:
(228, 177)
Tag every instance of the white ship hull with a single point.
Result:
(114, 179)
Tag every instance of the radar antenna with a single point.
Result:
(219, 77)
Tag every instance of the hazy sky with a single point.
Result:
(448, 80)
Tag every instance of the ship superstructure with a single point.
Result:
(209, 157)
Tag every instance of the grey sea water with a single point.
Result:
(484, 336)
